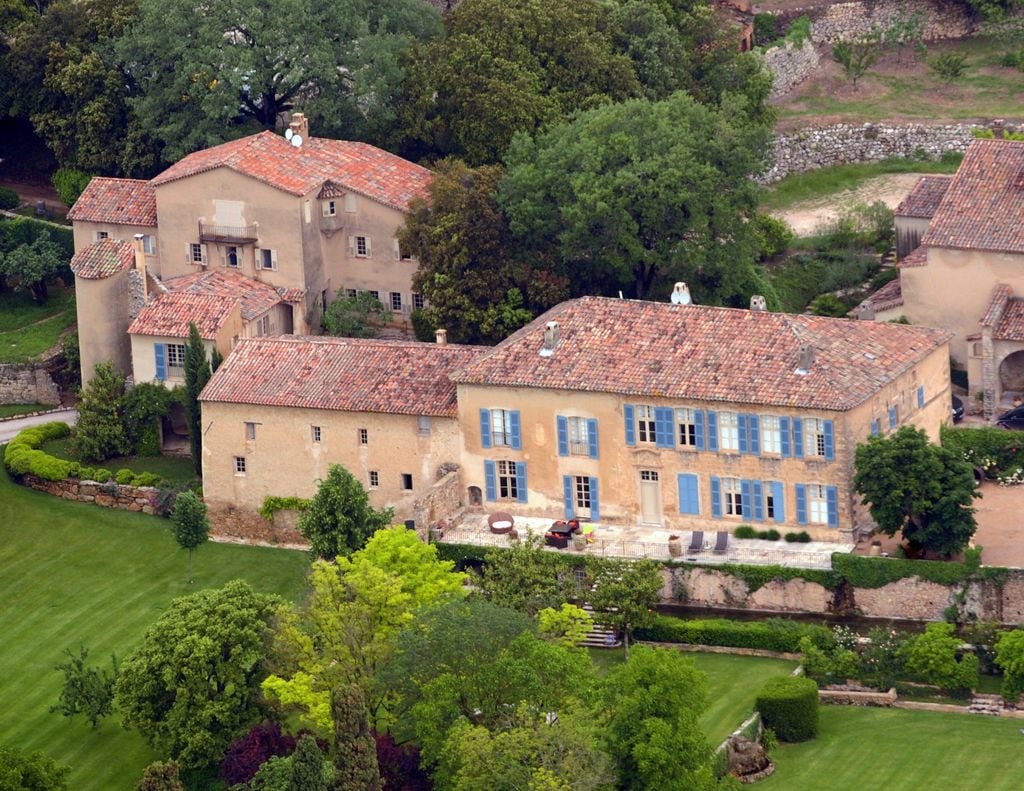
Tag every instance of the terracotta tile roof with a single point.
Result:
(256, 296)
(888, 296)
(170, 314)
(1011, 325)
(705, 354)
(118, 201)
(983, 207)
(291, 294)
(103, 258)
(345, 374)
(916, 257)
(1001, 294)
(271, 159)
(924, 199)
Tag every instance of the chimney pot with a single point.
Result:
(551, 337)
(806, 359)
(757, 302)
(681, 294)
(442, 337)
(300, 125)
(865, 311)
(140, 263)
(998, 129)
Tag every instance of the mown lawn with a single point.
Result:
(13, 410)
(733, 684)
(172, 469)
(27, 330)
(900, 750)
(72, 573)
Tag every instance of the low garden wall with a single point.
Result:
(790, 65)
(108, 495)
(230, 522)
(846, 697)
(441, 501)
(27, 384)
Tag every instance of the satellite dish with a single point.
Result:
(296, 140)
(288, 133)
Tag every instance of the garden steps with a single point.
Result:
(991, 705)
(599, 634)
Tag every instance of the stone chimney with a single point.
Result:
(998, 128)
(551, 337)
(865, 311)
(681, 294)
(299, 125)
(757, 303)
(442, 337)
(806, 359)
(140, 263)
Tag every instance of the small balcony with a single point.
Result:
(227, 234)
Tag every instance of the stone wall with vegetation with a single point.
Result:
(790, 65)
(831, 22)
(27, 384)
(442, 501)
(246, 524)
(108, 495)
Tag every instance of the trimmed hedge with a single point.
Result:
(773, 634)
(789, 706)
(803, 537)
(746, 531)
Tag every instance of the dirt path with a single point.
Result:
(805, 217)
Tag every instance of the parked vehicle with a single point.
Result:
(958, 409)
(1014, 419)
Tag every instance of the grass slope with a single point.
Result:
(27, 330)
(899, 750)
(173, 469)
(73, 573)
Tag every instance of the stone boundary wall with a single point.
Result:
(790, 65)
(831, 22)
(29, 383)
(844, 697)
(107, 495)
(440, 502)
(233, 523)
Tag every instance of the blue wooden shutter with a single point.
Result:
(758, 493)
(595, 504)
(754, 434)
(521, 481)
(630, 417)
(875, 428)
(485, 428)
(778, 500)
(567, 496)
(920, 396)
(664, 430)
(741, 425)
(798, 438)
(746, 498)
(689, 499)
(892, 417)
(801, 503)
(712, 430)
(516, 442)
(698, 428)
(491, 480)
(832, 500)
(592, 437)
(830, 440)
(563, 435)
(716, 497)
(784, 444)
(160, 351)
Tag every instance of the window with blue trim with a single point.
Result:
(508, 480)
(687, 427)
(894, 416)
(732, 497)
(579, 437)
(728, 431)
(771, 434)
(501, 427)
(646, 427)
(817, 504)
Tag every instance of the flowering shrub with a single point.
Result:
(1013, 478)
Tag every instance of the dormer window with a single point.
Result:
(329, 208)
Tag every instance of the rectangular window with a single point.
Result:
(686, 419)
(263, 326)
(148, 245)
(508, 487)
(364, 437)
(769, 500)
(581, 488)
(102, 235)
(231, 257)
(406, 482)
(175, 355)
(814, 437)
(316, 433)
(645, 425)
(351, 293)
(817, 504)
(239, 465)
(268, 259)
(732, 498)
(417, 301)
(250, 431)
(197, 253)
(728, 431)
(424, 424)
(771, 434)
(579, 439)
(396, 302)
(501, 427)
(374, 479)
(894, 416)
(648, 475)
(330, 209)
(362, 248)
(375, 295)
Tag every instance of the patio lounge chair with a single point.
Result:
(722, 541)
(697, 542)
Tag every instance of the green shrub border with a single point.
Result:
(789, 706)
(759, 576)
(272, 504)
(773, 634)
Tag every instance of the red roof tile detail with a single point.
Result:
(270, 158)
(916, 257)
(993, 313)
(888, 296)
(256, 296)
(924, 199)
(170, 314)
(983, 207)
(1011, 325)
(344, 374)
(291, 294)
(103, 258)
(705, 354)
(117, 201)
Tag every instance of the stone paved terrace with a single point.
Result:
(652, 542)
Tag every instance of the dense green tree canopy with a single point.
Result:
(361, 316)
(624, 593)
(921, 490)
(99, 433)
(340, 519)
(526, 578)
(636, 195)
(20, 771)
(33, 265)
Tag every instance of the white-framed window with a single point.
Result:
(351, 293)
(417, 302)
(374, 479)
(102, 235)
(771, 434)
(250, 431)
(646, 431)
(362, 246)
(315, 432)
(686, 420)
(330, 208)
(364, 437)
(769, 499)
(148, 244)
(232, 258)
(817, 504)
(423, 424)
(406, 482)
(579, 439)
(728, 431)
(732, 499)
(814, 437)
(648, 475)
(239, 465)
(175, 355)
(196, 251)
(501, 428)
(396, 301)
(508, 488)
(268, 259)
(581, 495)
(263, 326)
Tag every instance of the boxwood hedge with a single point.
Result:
(789, 706)
(773, 634)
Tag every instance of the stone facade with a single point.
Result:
(238, 523)
(106, 495)
(790, 65)
(440, 502)
(27, 384)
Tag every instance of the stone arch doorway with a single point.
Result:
(1011, 374)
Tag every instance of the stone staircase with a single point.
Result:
(991, 705)
(600, 634)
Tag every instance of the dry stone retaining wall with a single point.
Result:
(27, 384)
(790, 65)
(831, 22)
(107, 495)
